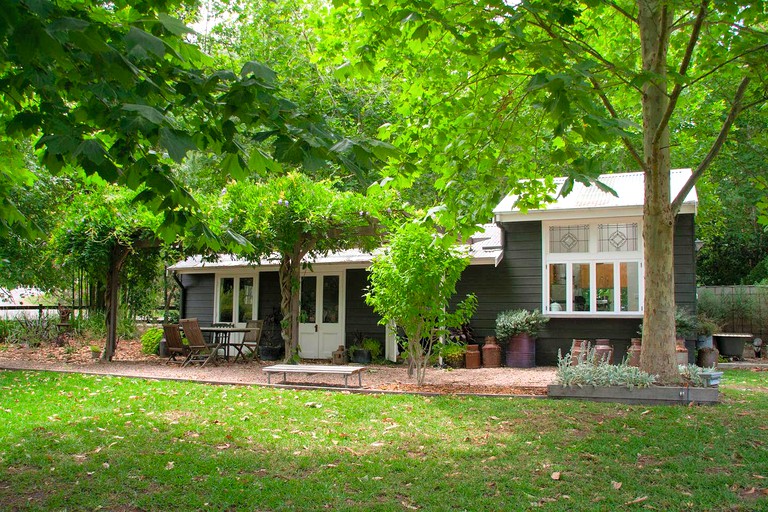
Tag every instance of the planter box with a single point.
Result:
(654, 395)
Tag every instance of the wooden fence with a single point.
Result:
(736, 308)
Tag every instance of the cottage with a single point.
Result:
(579, 260)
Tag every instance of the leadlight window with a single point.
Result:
(569, 239)
(617, 237)
(594, 268)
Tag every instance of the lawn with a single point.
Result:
(73, 442)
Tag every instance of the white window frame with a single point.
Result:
(592, 257)
(236, 296)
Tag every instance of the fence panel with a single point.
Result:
(738, 308)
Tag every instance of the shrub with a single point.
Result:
(519, 321)
(593, 371)
(691, 374)
(150, 340)
(373, 346)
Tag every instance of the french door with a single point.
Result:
(321, 317)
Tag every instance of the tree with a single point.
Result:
(118, 90)
(566, 79)
(293, 217)
(411, 284)
(101, 230)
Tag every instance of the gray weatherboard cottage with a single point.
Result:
(579, 260)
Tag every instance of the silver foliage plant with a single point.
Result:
(592, 370)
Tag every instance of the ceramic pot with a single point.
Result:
(604, 350)
(472, 357)
(491, 353)
(521, 351)
(633, 352)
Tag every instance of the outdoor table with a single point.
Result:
(224, 340)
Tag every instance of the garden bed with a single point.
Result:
(653, 395)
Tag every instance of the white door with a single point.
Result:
(321, 317)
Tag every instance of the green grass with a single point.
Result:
(73, 442)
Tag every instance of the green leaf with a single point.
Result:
(176, 142)
(174, 25)
(151, 114)
(605, 188)
(140, 42)
(261, 72)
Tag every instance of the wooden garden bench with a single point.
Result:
(312, 369)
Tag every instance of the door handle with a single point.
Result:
(315, 327)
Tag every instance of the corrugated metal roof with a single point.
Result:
(485, 249)
(630, 188)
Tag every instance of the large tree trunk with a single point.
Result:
(658, 349)
(116, 260)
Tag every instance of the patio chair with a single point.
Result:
(173, 343)
(199, 350)
(251, 339)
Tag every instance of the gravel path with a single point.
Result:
(130, 362)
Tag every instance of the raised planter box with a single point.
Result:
(654, 395)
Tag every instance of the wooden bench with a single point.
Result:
(313, 369)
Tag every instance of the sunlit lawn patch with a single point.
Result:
(81, 442)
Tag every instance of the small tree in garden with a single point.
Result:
(411, 285)
(101, 230)
(292, 217)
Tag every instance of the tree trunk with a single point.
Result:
(658, 349)
(116, 260)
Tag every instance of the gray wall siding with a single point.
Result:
(360, 317)
(685, 262)
(514, 284)
(199, 297)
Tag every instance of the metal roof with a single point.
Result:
(591, 201)
(485, 248)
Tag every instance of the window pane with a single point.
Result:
(630, 286)
(308, 299)
(245, 300)
(617, 237)
(604, 274)
(226, 296)
(330, 299)
(557, 287)
(565, 239)
(580, 284)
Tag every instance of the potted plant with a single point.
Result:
(365, 351)
(453, 354)
(685, 328)
(95, 351)
(706, 354)
(520, 328)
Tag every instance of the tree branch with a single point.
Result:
(683, 70)
(716, 146)
(609, 106)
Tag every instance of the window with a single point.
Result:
(593, 268)
(235, 300)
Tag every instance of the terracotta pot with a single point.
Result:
(633, 353)
(576, 349)
(521, 351)
(681, 353)
(604, 350)
(472, 357)
(707, 357)
(491, 353)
